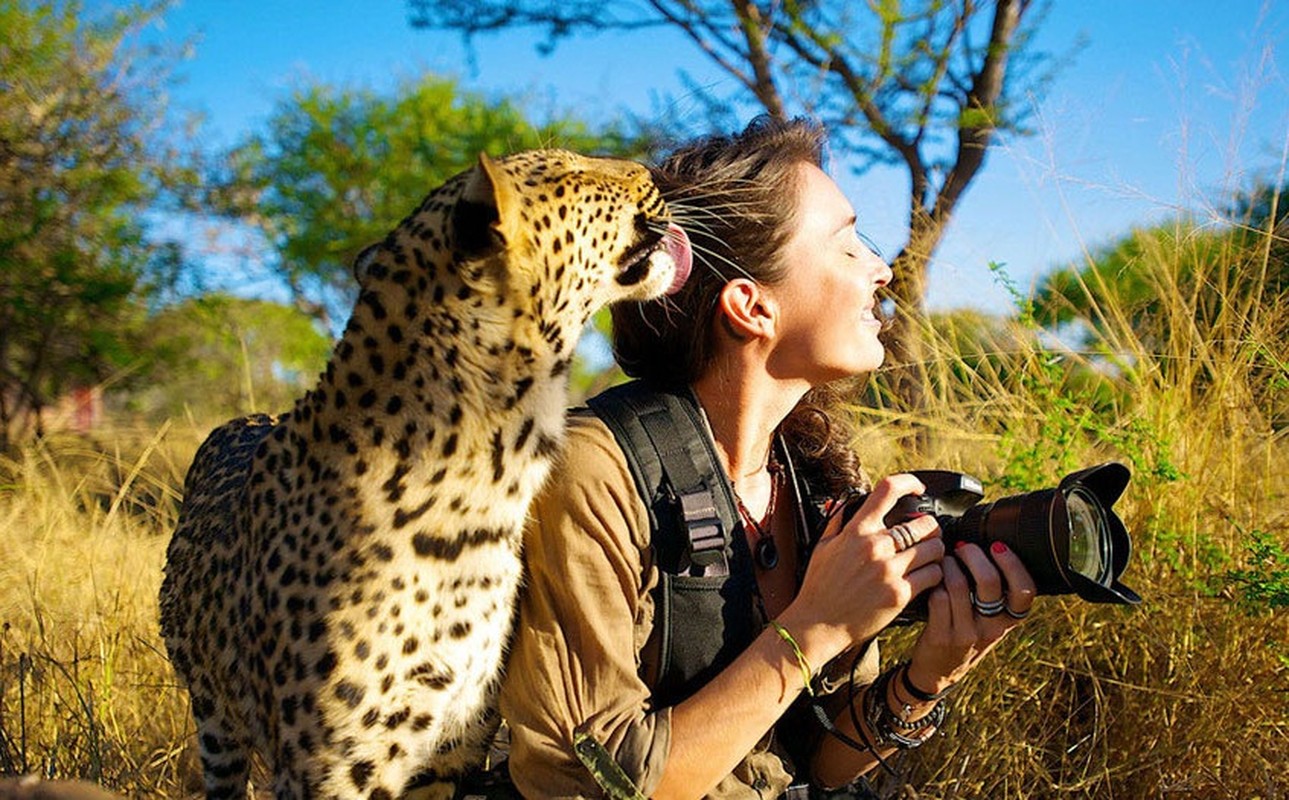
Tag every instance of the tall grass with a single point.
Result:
(1186, 695)
(85, 686)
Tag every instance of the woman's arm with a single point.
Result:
(585, 611)
(856, 583)
(574, 667)
(837, 762)
(956, 638)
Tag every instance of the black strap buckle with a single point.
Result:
(706, 539)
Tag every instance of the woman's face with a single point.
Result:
(827, 327)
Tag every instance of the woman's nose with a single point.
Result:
(884, 274)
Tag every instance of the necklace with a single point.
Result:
(765, 552)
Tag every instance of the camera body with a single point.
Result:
(1068, 537)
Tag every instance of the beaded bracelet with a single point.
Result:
(888, 728)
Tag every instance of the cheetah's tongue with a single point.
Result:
(677, 242)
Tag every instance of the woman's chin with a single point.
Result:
(868, 362)
(871, 359)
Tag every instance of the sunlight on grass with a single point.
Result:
(86, 688)
(1186, 383)
(1185, 378)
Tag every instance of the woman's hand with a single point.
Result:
(861, 575)
(957, 635)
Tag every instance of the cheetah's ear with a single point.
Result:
(484, 217)
(363, 263)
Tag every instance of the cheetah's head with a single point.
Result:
(564, 234)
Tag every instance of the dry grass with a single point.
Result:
(1185, 696)
(85, 686)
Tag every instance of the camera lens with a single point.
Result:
(1088, 535)
(1068, 537)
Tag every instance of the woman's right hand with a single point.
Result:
(859, 579)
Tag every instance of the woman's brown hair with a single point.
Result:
(736, 198)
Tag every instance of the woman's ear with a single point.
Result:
(747, 310)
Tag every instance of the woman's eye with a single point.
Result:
(864, 245)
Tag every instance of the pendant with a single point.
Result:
(766, 553)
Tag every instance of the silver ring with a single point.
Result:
(1017, 614)
(989, 608)
(903, 537)
(907, 533)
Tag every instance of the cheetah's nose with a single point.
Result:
(677, 242)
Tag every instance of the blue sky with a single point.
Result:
(1169, 104)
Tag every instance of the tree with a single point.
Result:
(80, 160)
(1199, 306)
(1261, 218)
(216, 355)
(1213, 274)
(926, 86)
(338, 168)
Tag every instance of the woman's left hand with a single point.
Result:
(957, 634)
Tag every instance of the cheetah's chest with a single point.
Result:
(421, 643)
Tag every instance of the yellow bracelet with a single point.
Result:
(806, 672)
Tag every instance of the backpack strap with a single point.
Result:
(671, 460)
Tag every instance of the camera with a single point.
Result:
(1069, 537)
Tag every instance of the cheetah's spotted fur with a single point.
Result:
(339, 590)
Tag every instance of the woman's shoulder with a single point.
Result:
(588, 441)
(591, 487)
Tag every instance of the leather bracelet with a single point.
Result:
(901, 719)
(917, 694)
(891, 731)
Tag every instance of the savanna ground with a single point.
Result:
(1185, 696)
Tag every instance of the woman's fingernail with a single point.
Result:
(998, 547)
(959, 545)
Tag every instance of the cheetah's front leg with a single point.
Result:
(457, 758)
(225, 761)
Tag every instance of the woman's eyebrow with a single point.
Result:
(849, 224)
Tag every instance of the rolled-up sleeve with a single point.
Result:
(585, 610)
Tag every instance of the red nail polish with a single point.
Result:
(998, 547)
(959, 545)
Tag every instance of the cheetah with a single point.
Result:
(340, 587)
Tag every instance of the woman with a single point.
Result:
(781, 305)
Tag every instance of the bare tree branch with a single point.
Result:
(754, 28)
(980, 114)
(904, 83)
(709, 38)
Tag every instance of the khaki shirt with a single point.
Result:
(586, 614)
